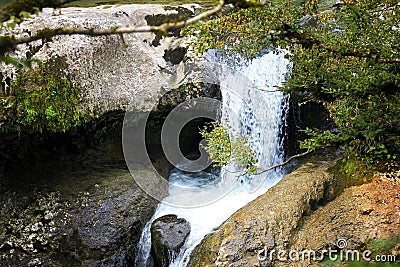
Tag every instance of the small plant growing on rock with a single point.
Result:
(224, 149)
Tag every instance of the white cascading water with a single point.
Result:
(256, 110)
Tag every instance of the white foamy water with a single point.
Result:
(251, 107)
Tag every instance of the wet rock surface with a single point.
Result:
(88, 215)
(271, 220)
(168, 234)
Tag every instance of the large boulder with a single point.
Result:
(111, 71)
(95, 77)
(168, 235)
(270, 221)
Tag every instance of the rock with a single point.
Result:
(110, 71)
(168, 234)
(360, 216)
(303, 213)
(73, 214)
(270, 221)
(111, 74)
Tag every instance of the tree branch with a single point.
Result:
(261, 171)
(12, 41)
(388, 60)
(283, 163)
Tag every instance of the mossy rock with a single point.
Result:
(43, 100)
(14, 8)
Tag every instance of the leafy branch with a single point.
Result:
(224, 150)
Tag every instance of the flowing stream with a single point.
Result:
(255, 109)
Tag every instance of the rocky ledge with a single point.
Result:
(86, 211)
(271, 220)
(307, 211)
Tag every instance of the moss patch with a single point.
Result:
(44, 100)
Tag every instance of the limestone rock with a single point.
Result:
(358, 218)
(270, 221)
(112, 72)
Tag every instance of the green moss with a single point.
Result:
(158, 249)
(350, 171)
(387, 248)
(15, 8)
(384, 246)
(44, 101)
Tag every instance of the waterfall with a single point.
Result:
(255, 109)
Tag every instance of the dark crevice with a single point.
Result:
(302, 115)
(189, 137)
(158, 19)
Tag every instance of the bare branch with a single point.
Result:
(163, 28)
(283, 163)
(388, 60)
(261, 171)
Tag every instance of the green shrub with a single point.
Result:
(223, 149)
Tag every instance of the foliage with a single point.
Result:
(43, 101)
(21, 8)
(374, 264)
(244, 31)
(348, 58)
(223, 149)
(19, 63)
(6, 42)
(379, 247)
(109, 3)
(382, 247)
(317, 139)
